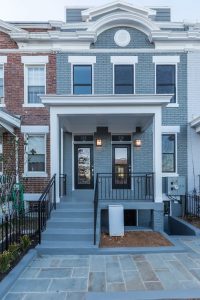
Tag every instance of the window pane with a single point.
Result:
(166, 74)
(168, 143)
(1, 91)
(36, 163)
(36, 143)
(81, 90)
(123, 74)
(33, 92)
(121, 89)
(36, 76)
(168, 163)
(1, 72)
(83, 75)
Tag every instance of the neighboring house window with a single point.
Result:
(36, 153)
(35, 83)
(124, 81)
(1, 82)
(166, 80)
(168, 153)
(82, 79)
(1, 153)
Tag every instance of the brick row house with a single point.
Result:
(105, 93)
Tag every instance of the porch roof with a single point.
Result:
(195, 123)
(9, 121)
(106, 100)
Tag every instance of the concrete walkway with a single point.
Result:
(72, 277)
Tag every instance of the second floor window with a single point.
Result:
(1, 82)
(168, 153)
(166, 80)
(35, 83)
(36, 153)
(82, 79)
(124, 80)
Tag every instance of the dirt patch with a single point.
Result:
(135, 239)
(192, 220)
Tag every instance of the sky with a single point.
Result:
(44, 10)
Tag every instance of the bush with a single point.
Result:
(25, 242)
(14, 250)
(5, 260)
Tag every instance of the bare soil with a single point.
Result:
(135, 239)
(192, 220)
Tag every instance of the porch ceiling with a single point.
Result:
(115, 124)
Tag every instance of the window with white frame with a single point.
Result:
(82, 79)
(1, 153)
(35, 83)
(168, 153)
(36, 153)
(166, 80)
(124, 79)
(1, 81)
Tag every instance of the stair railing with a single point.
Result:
(96, 202)
(46, 203)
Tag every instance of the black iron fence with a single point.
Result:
(32, 222)
(192, 205)
(121, 186)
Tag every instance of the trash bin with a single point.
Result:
(116, 220)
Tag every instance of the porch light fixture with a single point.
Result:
(99, 142)
(137, 143)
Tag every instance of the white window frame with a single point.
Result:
(1, 152)
(168, 60)
(124, 60)
(171, 174)
(81, 61)
(3, 61)
(35, 173)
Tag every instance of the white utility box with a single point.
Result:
(116, 220)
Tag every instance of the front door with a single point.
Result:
(83, 166)
(121, 166)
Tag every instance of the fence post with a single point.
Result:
(39, 221)
(6, 232)
(54, 192)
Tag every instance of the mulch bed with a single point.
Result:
(192, 220)
(135, 239)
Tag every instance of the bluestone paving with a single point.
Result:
(74, 277)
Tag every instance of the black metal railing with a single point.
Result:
(62, 185)
(46, 203)
(121, 186)
(96, 201)
(192, 205)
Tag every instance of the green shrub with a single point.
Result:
(25, 242)
(14, 250)
(5, 260)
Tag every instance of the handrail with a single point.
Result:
(96, 201)
(46, 203)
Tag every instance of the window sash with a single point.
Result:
(169, 156)
(124, 85)
(82, 85)
(1, 81)
(36, 153)
(35, 83)
(166, 85)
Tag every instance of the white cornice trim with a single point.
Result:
(106, 100)
(130, 60)
(166, 59)
(7, 27)
(195, 123)
(170, 129)
(34, 129)
(15, 122)
(82, 59)
(3, 59)
(35, 59)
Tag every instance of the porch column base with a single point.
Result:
(158, 220)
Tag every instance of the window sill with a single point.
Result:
(33, 105)
(2, 105)
(35, 174)
(173, 105)
(170, 175)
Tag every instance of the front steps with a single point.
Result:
(69, 230)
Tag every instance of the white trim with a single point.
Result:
(3, 59)
(170, 129)
(166, 60)
(82, 60)
(172, 105)
(170, 174)
(31, 196)
(34, 60)
(34, 174)
(35, 129)
(2, 104)
(124, 60)
(15, 122)
(32, 105)
(61, 150)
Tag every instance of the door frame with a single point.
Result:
(75, 166)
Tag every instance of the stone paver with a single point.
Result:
(71, 277)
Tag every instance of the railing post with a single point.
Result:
(39, 222)
(54, 192)
(6, 232)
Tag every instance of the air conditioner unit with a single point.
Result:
(176, 186)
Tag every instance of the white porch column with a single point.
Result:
(157, 153)
(54, 136)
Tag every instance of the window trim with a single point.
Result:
(92, 76)
(34, 173)
(26, 66)
(174, 173)
(2, 104)
(1, 153)
(133, 66)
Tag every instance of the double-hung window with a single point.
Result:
(1, 81)
(166, 80)
(36, 153)
(124, 79)
(168, 153)
(35, 83)
(82, 79)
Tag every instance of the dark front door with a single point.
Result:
(121, 166)
(83, 166)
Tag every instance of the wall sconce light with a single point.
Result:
(98, 142)
(137, 143)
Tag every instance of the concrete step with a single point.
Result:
(71, 214)
(67, 231)
(76, 205)
(71, 235)
(70, 224)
